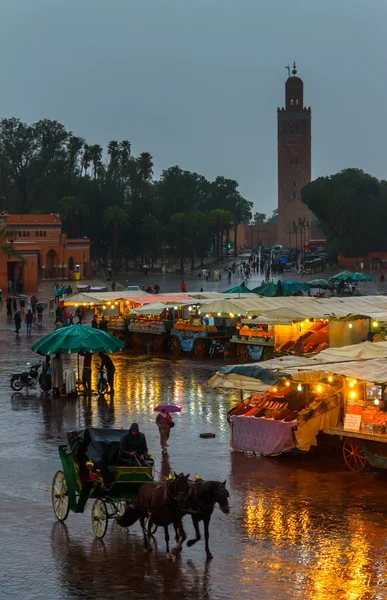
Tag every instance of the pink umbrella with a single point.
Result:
(169, 408)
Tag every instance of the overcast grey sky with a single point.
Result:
(197, 82)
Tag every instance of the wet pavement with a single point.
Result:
(298, 529)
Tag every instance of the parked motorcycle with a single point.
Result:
(29, 378)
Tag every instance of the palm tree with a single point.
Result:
(6, 245)
(117, 218)
(85, 159)
(70, 208)
(145, 166)
(113, 151)
(96, 158)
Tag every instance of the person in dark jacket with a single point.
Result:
(103, 325)
(17, 318)
(107, 363)
(133, 445)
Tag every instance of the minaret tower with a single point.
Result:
(294, 165)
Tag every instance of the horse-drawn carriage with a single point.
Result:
(91, 469)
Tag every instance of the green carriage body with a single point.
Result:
(117, 485)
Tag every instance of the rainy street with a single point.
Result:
(298, 529)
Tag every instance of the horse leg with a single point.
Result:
(181, 536)
(142, 521)
(166, 533)
(197, 531)
(206, 523)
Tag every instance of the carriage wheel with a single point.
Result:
(159, 343)
(153, 528)
(136, 343)
(99, 518)
(200, 347)
(354, 455)
(59, 496)
(242, 353)
(175, 345)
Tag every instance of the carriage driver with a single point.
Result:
(133, 445)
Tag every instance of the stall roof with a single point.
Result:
(374, 370)
(362, 351)
(131, 296)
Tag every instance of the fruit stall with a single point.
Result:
(150, 326)
(192, 335)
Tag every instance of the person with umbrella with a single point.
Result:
(163, 422)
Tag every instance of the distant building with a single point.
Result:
(294, 165)
(42, 252)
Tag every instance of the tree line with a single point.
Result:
(352, 209)
(112, 197)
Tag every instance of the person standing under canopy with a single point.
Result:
(107, 363)
(57, 374)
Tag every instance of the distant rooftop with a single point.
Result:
(30, 219)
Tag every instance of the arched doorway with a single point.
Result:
(52, 265)
(71, 264)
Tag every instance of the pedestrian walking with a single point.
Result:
(113, 286)
(57, 374)
(14, 304)
(17, 319)
(39, 310)
(22, 302)
(29, 321)
(163, 422)
(9, 307)
(183, 287)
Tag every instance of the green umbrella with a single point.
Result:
(343, 276)
(269, 289)
(321, 284)
(240, 289)
(77, 338)
(362, 277)
(290, 286)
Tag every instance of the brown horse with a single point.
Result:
(164, 505)
(204, 495)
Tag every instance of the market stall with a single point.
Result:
(203, 335)
(149, 326)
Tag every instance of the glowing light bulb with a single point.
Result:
(376, 402)
(319, 389)
(352, 394)
(299, 387)
(190, 308)
(274, 389)
(330, 378)
(375, 323)
(219, 314)
(231, 315)
(351, 384)
(350, 325)
(287, 383)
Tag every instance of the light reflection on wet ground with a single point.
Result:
(297, 530)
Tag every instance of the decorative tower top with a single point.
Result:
(294, 92)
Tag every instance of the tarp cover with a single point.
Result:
(263, 436)
(98, 444)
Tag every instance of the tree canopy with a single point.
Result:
(111, 196)
(352, 208)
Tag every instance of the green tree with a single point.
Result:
(273, 220)
(116, 218)
(352, 209)
(71, 208)
(259, 218)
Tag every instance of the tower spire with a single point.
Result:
(294, 68)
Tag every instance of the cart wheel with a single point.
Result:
(152, 529)
(99, 518)
(200, 347)
(136, 343)
(120, 508)
(354, 455)
(102, 387)
(175, 345)
(159, 343)
(59, 496)
(242, 353)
